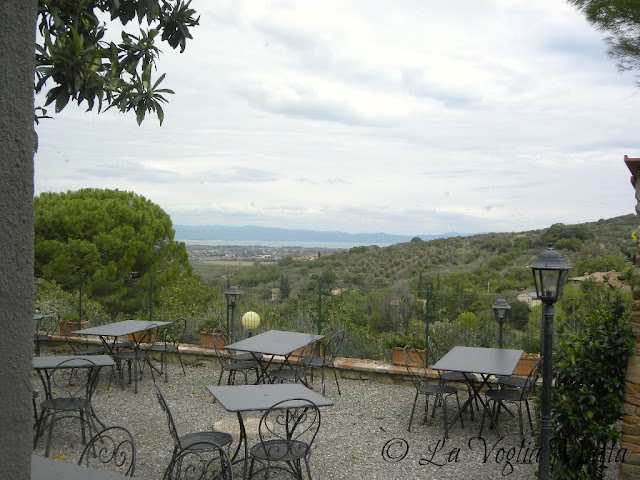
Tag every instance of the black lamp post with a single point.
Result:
(549, 275)
(501, 311)
(233, 294)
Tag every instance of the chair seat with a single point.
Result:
(316, 362)
(65, 404)
(280, 450)
(454, 377)
(235, 366)
(220, 438)
(514, 382)
(245, 357)
(436, 389)
(506, 395)
(92, 351)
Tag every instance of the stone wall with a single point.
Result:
(630, 467)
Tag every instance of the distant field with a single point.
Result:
(212, 270)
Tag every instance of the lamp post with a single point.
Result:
(549, 275)
(501, 311)
(232, 293)
(250, 321)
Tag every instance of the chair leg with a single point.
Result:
(446, 422)
(184, 372)
(335, 375)
(461, 419)
(413, 409)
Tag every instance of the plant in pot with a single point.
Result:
(206, 328)
(397, 341)
(69, 323)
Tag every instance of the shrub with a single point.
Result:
(589, 369)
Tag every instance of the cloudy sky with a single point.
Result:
(406, 117)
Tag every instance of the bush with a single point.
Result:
(589, 368)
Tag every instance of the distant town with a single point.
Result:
(254, 254)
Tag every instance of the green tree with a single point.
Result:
(72, 52)
(110, 243)
(620, 21)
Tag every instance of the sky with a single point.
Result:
(405, 117)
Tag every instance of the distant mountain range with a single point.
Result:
(251, 233)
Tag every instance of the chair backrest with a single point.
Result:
(144, 336)
(221, 353)
(113, 449)
(433, 351)
(532, 379)
(415, 361)
(46, 324)
(73, 341)
(75, 378)
(334, 345)
(165, 408)
(173, 333)
(202, 461)
(291, 428)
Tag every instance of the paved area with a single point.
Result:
(363, 436)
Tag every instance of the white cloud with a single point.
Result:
(403, 117)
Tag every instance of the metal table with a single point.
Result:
(249, 398)
(109, 334)
(266, 345)
(48, 469)
(471, 361)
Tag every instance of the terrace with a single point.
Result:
(363, 435)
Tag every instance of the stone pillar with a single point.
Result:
(630, 467)
(17, 141)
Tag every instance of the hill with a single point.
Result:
(252, 233)
(457, 264)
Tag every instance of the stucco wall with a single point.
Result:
(17, 36)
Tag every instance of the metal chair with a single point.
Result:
(332, 348)
(204, 461)
(168, 340)
(44, 328)
(72, 385)
(516, 396)
(448, 376)
(105, 318)
(135, 358)
(112, 449)
(417, 368)
(192, 441)
(77, 344)
(286, 434)
(230, 364)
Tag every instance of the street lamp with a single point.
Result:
(233, 294)
(501, 311)
(250, 321)
(549, 275)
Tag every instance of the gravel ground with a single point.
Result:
(363, 436)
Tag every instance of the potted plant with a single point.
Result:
(526, 363)
(397, 341)
(206, 328)
(69, 323)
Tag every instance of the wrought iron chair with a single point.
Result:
(135, 358)
(327, 360)
(44, 328)
(417, 368)
(104, 318)
(516, 396)
(205, 460)
(112, 449)
(76, 343)
(72, 385)
(449, 376)
(230, 364)
(297, 372)
(191, 441)
(168, 340)
(286, 434)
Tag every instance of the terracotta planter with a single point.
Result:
(207, 340)
(149, 336)
(307, 351)
(526, 363)
(398, 357)
(67, 327)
